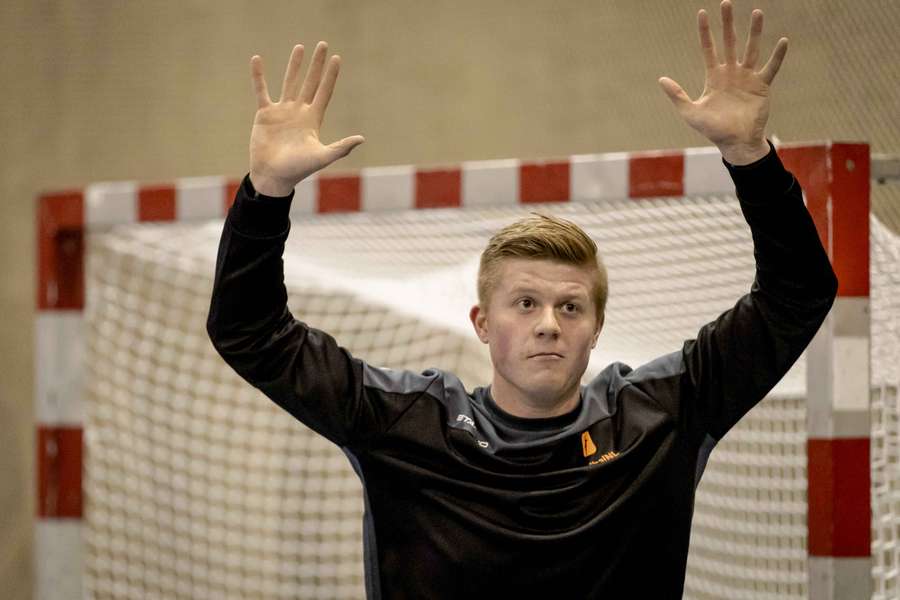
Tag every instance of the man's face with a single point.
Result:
(541, 325)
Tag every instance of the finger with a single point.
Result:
(728, 34)
(259, 82)
(768, 72)
(706, 42)
(675, 93)
(314, 74)
(343, 147)
(326, 88)
(290, 87)
(751, 51)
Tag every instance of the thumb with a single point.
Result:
(677, 95)
(342, 148)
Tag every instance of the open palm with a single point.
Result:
(733, 109)
(284, 142)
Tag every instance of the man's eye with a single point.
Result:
(570, 307)
(526, 303)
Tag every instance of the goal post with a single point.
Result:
(160, 472)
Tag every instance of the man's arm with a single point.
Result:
(299, 367)
(736, 359)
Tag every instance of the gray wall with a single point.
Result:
(152, 91)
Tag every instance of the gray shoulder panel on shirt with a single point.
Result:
(398, 381)
(600, 396)
(663, 367)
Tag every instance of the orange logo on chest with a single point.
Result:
(606, 457)
(587, 444)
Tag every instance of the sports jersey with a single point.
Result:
(462, 499)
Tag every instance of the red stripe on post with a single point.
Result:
(850, 218)
(544, 182)
(231, 189)
(339, 194)
(839, 517)
(438, 188)
(60, 241)
(835, 181)
(59, 466)
(809, 165)
(156, 203)
(656, 175)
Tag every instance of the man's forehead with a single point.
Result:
(542, 274)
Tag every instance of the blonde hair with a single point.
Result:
(540, 236)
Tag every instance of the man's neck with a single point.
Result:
(512, 401)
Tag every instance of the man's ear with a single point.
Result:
(479, 322)
(597, 333)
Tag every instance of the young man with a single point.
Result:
(534, 485)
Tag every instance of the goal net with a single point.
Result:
(197, 486)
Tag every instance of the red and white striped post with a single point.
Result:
(835, 179)
(62, 220)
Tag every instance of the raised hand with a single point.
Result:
(284, 142)
(733, 109)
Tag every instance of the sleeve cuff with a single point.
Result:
(761, 181)
(256, 215)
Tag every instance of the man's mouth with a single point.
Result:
(546, 355)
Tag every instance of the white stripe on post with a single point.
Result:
(59, 378)
(306, 196)
(704, 172)
(387, 188)
(838, 372)
(110, 203)
(58, 548)
(199, 198)
(840, 578)
(490, 182)
(599, 176)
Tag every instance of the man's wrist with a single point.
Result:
(268, 186)
(745, 154)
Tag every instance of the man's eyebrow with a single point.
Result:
(522, 289)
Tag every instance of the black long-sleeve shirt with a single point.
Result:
(464, 500)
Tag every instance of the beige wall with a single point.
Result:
(112, 89)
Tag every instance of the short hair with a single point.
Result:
(539, 236)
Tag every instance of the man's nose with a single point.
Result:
(547, 324)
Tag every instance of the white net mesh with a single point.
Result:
(197, 486)
(885, 411)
